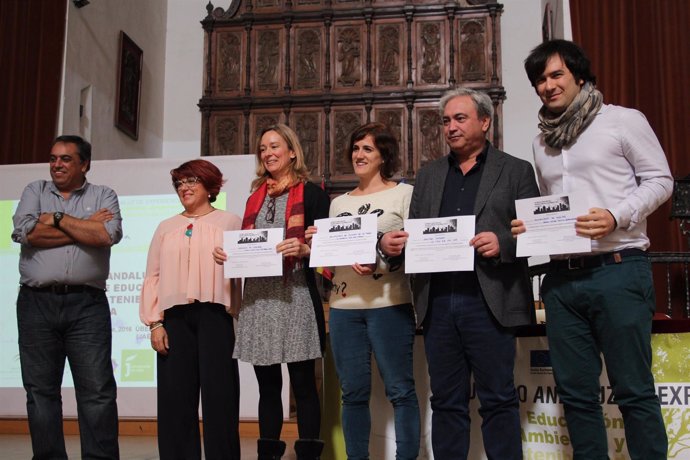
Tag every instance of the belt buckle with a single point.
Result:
(576, 263)
(60, 289)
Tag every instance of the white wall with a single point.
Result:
(184, 61)
(520, 32)
(91, 59)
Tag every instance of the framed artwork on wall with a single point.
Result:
(547, 23)
(128, 87)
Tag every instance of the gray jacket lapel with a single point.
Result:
(438, 182)
(492, 171)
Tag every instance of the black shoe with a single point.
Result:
(270, 449)
(308, 449)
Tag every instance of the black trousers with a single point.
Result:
(201, 339)
(303, 381)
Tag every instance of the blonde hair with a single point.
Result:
(298, 168)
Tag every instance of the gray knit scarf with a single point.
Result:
(562, 129)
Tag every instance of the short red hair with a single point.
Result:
(208, 173)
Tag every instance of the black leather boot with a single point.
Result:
(270, 449)
(308, 449)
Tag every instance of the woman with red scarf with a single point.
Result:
(281, 319)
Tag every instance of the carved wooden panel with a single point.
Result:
(430, 144)
(474, 41)
(308, 66)
(261, 119)
(228, 130)
(268, 49)
(349, 56)
(267, 6)
(431, 42)
(308, 4)
(395, 117)
(345, 121)
(390, 54)
(327, 66)
(308, 124)
(338, 4)
(229, 54)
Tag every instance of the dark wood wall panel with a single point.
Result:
(349, 43)
(227, 133)
(431, 38)
(326, 66)
(308, 124)
(229, 77)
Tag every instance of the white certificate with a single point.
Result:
(550, 225)
(441, 244)
(252, 253)
(344, 241)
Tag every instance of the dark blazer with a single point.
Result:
(504, 280)
(316, 204)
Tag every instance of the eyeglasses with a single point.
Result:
(271, 211)
(189, 182)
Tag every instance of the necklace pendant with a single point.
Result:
(188, 232)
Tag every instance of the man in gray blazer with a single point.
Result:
(467, 317)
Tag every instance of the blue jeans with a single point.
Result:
(462, 338)
(389, 333)
(606, 310)
(75, 326)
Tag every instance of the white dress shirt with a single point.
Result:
(619, 164)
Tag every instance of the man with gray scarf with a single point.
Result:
(603, 302)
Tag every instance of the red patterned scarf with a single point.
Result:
(294, 217)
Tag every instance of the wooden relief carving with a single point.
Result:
(345, 123)
(307, 128)
(229, 61)
(268, 59)
(393, 119)
(265, 120)
(431, 145)
(308, 63)
(389, 55)
(267, 3)
(328, 66)
(349, 57)
(431, 52)
(472, 51)
(228, 135)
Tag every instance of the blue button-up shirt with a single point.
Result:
(72, 263)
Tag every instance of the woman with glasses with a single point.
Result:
(281, 319)
(371, 305)
(187, 305)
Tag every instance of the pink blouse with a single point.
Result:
(181, 269)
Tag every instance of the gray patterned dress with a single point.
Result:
(276, 322)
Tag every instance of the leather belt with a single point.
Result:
(594, 261)
(62, 289)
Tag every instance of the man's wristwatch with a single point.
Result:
(57, 217)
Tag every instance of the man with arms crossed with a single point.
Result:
(601, 302)
(467, 316)
(66, 228)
